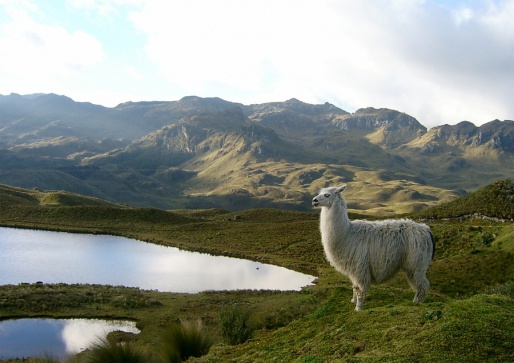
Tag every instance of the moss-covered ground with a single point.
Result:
(468, 317)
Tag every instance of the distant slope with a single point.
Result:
(494, 201)
(63, 210)
(207, 152)
(18, 197)
(463, 155)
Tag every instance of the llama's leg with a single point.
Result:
(422, 289)
(360, 287)
(419, 284)
(360, 294)
(354, 297)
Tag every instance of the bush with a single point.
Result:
(184, 340)
(506, 289)
(236, 327)
(109, 351)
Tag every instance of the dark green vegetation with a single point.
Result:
(111, 351)
(494, 201)
(236, 326)
(185, 340)
(468, 317)
(210, 153)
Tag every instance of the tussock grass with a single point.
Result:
(185, 340)
(236, 325)
(110, 351)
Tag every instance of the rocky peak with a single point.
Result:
(296, 107)
(188, 133)
(387, 128)
(371, 119)
(495, 135)
(208, 104)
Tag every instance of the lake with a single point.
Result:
(29, 256)
(22, 338)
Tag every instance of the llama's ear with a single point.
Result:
(341, 188)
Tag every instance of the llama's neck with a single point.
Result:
(334, 223)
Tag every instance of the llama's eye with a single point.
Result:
(327, 195)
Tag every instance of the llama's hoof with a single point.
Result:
(418, 299)
(357, 309)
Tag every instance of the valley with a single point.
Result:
(198, 153)
(217, 177)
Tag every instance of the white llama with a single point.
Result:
(369, 252)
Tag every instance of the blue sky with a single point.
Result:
(439, 61)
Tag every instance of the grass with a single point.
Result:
(236, 325)
(468, 316)
(471, 330)
(185, 340)
(110, 351)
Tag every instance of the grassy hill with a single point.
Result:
(467, 317)
(494, 201)
(440, 331)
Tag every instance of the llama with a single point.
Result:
(372, 252)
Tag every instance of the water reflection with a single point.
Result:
(23, 338)
(54, 257)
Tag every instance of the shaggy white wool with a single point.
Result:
(373, 252)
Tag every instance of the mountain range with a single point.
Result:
(208, 152)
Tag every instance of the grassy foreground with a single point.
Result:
(468, 317)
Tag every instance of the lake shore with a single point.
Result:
(468, 294)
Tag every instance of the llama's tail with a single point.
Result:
(433, 244)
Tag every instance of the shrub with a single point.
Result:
(236, 327)
(506, 289)
(184, 340)
(109, 351)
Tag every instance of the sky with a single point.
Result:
(441, 62)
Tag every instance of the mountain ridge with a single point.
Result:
(206, 152)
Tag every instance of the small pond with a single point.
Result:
(22, 338)
(29, 256)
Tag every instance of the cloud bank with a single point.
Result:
(441, 62)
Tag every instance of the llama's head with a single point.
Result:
(327, 196)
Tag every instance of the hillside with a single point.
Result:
(467, 317)
(208, 152)
(494, 201)
(12, 197)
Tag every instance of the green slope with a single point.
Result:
(468, 316)
(494, 201)
(471, 330)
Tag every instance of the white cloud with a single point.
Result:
(37, 56)
(463, 15)
(439, 64)
(103, 7)
(134, 72)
